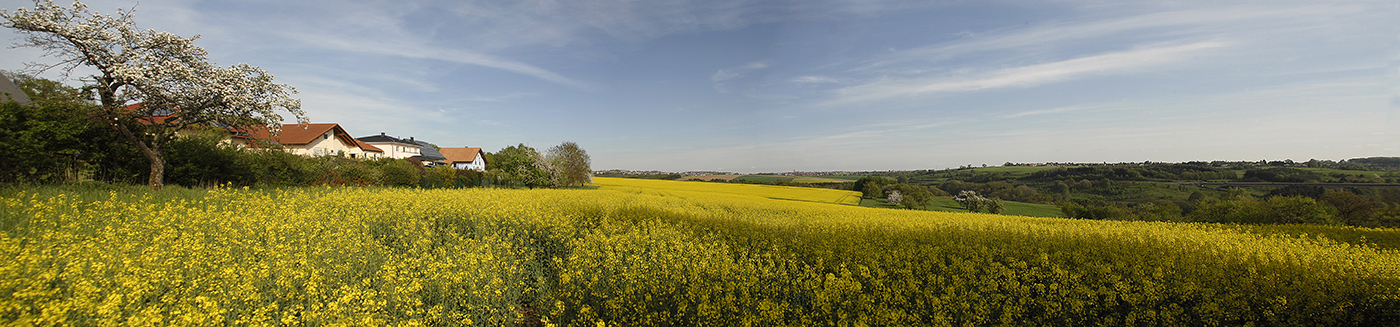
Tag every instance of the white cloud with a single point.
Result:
(1026, 76)
(1045, 111)
(736, 72)
(408, 48)
(1178, 24)
(811, 79)
(724, 77)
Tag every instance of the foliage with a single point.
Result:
(970, 200)
(1288, 175)
(399, 172)
(649, 253)
(995, 206)
(44, 142)
(1275, 210)
(864, 185)
(522, 164)
(1352, 209)
(894, 198)
(573, 164)
(202, 160)
(911, 196)
(167, 73)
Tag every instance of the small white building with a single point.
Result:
(465, 158)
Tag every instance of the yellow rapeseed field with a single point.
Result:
(649, 253)
(663, 187)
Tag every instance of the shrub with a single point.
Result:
(399, 172)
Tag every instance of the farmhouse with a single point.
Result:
(323, 139)
(465, 158)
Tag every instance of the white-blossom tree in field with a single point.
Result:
(894, 198)
(573, 164)
(170, 76)
(970, 200)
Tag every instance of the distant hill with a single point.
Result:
(1386, 162)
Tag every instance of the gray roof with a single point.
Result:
(10, 91)
(383, 138)
(428, 152)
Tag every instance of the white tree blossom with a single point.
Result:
(894, 198)
(166, 73)
(970, 200)
(573, 164)
(552, 176)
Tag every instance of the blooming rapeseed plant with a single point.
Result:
(643, 253)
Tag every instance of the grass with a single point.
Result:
(817, 180)
(947, 204)
(845, 177)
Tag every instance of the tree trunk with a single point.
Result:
(152, 153)
(157, 179)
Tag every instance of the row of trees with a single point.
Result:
(1328, 207)
(59, 138)
(66, 131)
(565, 164)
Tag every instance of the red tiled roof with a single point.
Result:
(147, 120)
(297, 134)
(460, 154)
(292, 133)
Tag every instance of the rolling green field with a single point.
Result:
(946, 204)
(845, 177)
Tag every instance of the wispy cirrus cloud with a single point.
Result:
(736, 72)
(410, 49)
(812, 79)
(1177, 24)
(1026, 76)
(722, 77)
(1059, 110)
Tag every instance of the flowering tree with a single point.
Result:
(970, 200)
(573, 163)
(551, 174)
(894, 198)
(975, 203)
(167, 74)
(523, 164)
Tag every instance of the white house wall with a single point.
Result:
(396, 150)
(323, 146)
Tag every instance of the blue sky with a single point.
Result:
(772, 86)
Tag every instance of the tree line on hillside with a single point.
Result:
(1351, 207)
(60, 138)
(1169, 192)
